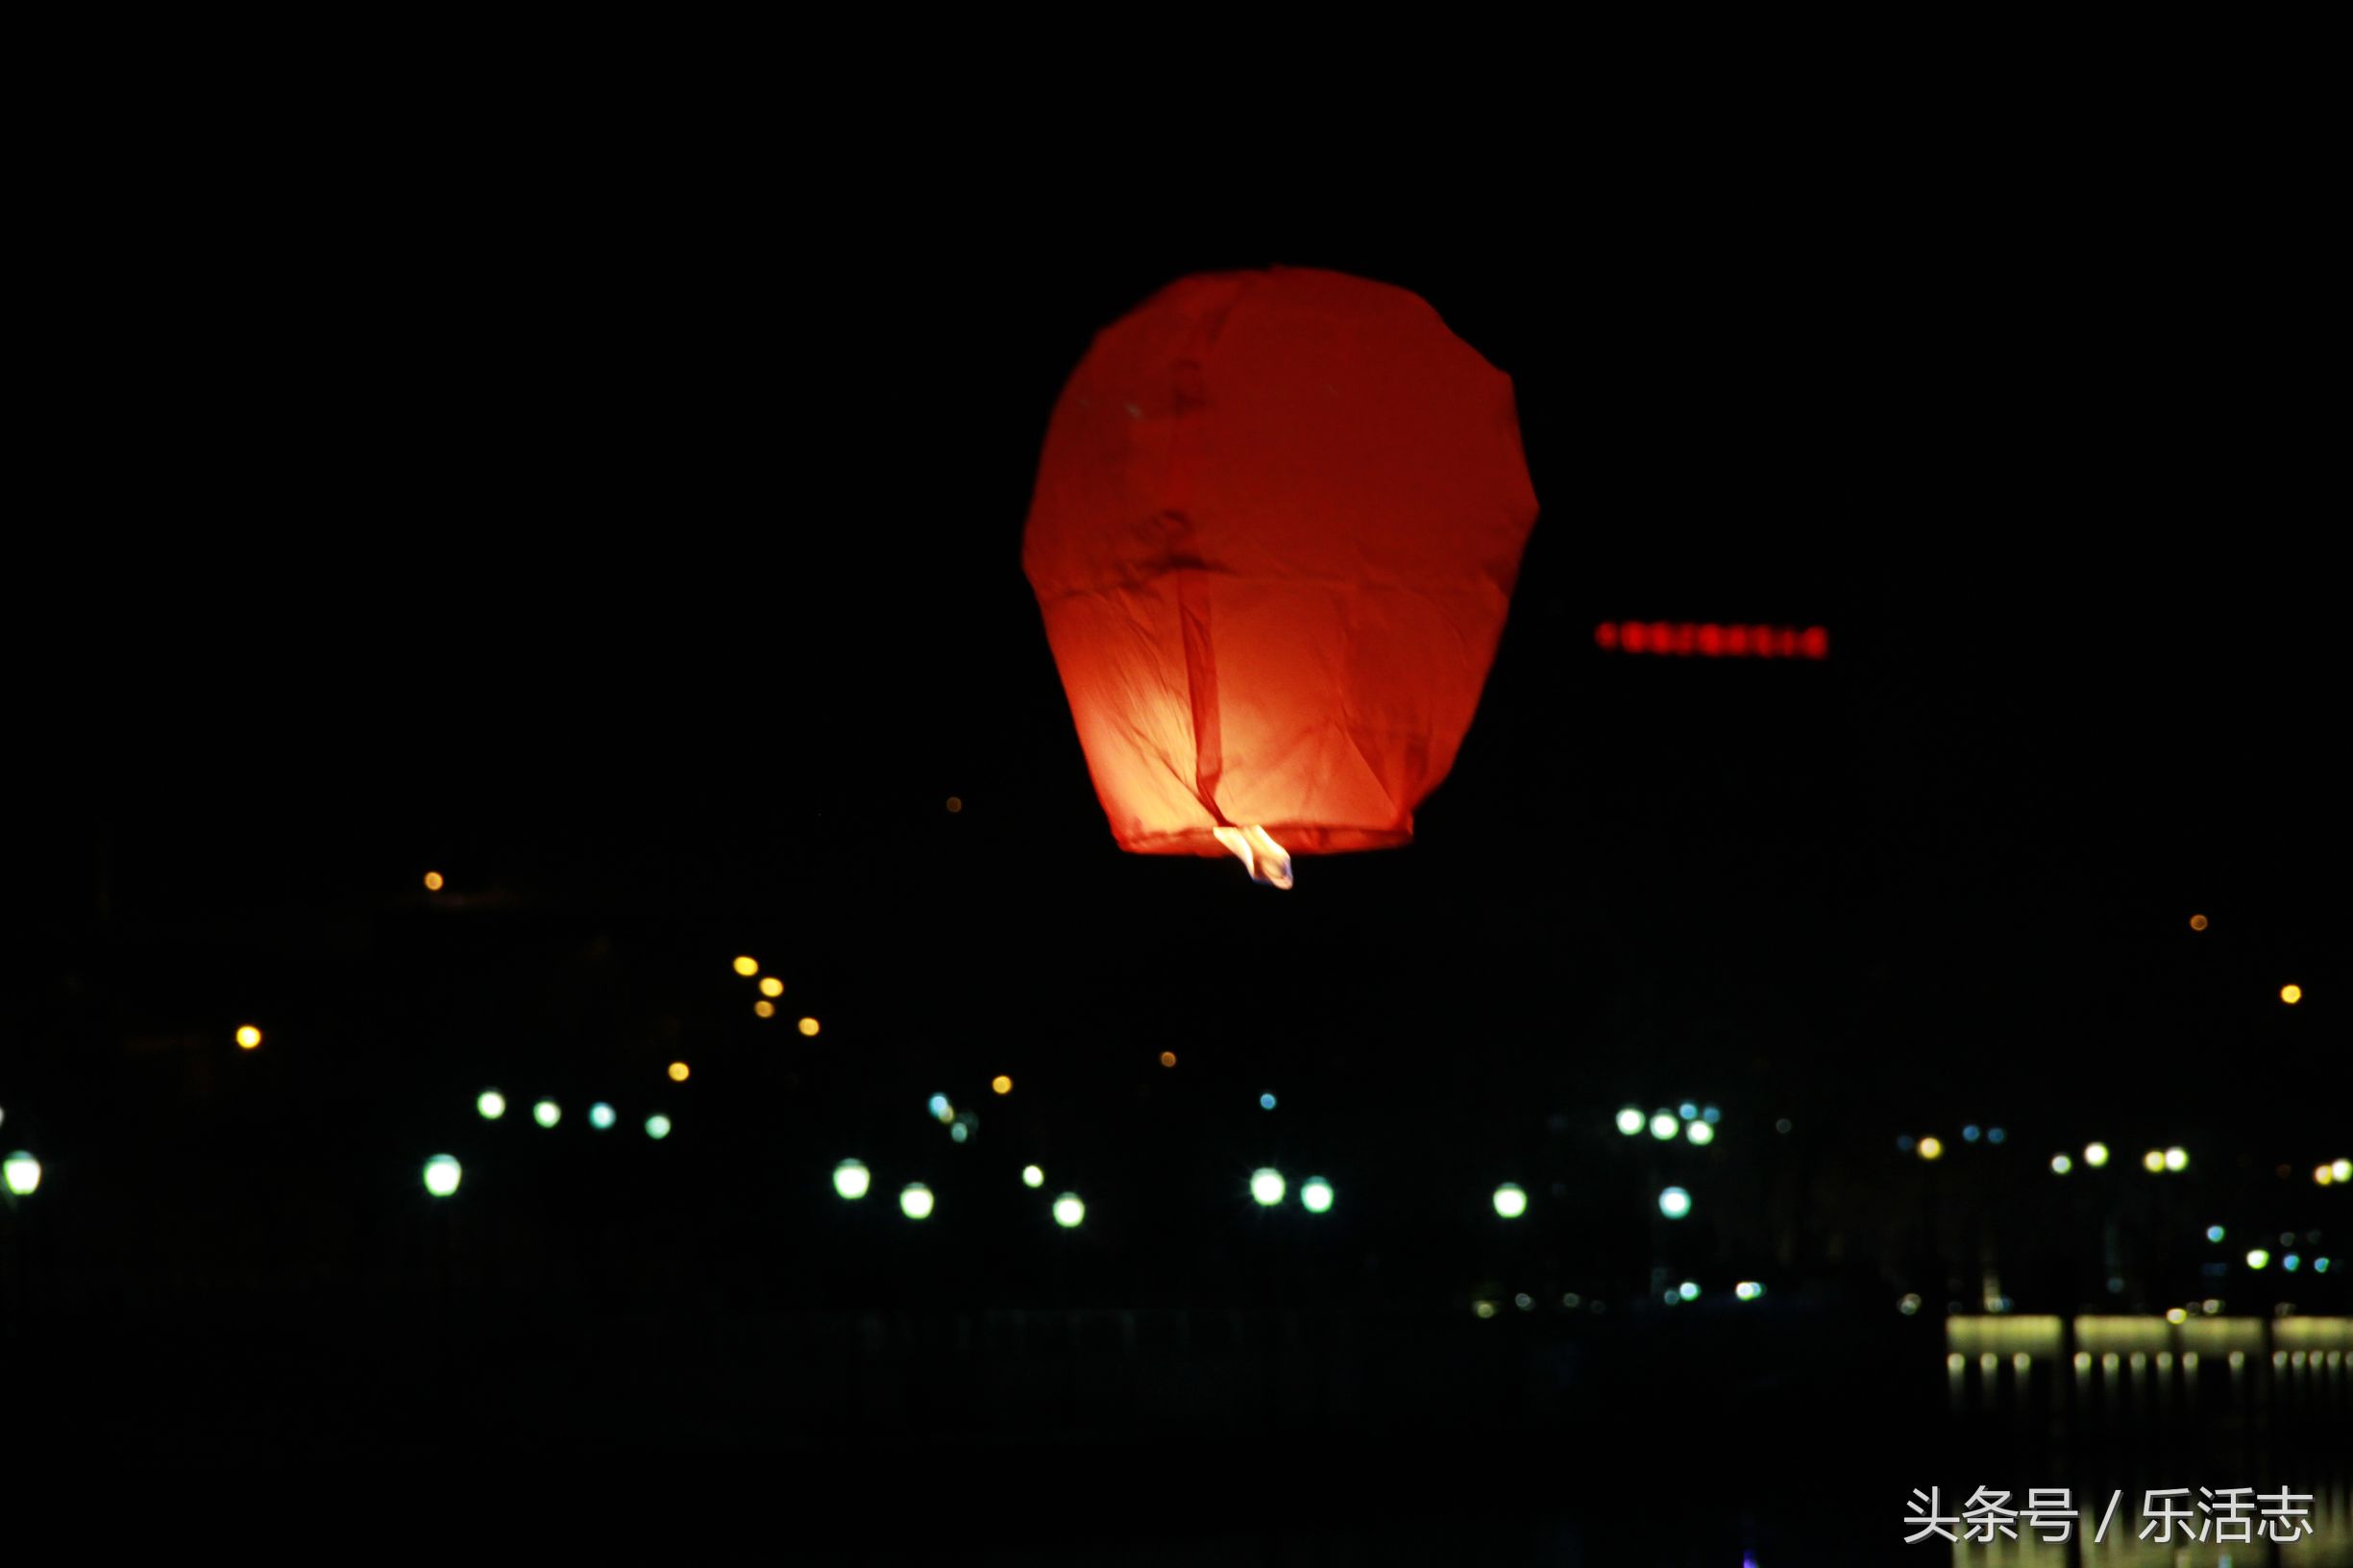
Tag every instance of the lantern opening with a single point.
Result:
(1266, 860)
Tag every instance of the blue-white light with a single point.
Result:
(1629, 1122)
(1687, 1110)
(1267, 1102)
(1663, 1125)
(1675, 1203)
(600, 1117)
(1995, 1135)
(2215, 1232)
(1971, 1133)
(1709, 1114)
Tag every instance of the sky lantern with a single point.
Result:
(1275, 531)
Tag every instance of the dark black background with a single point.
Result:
(636, 541)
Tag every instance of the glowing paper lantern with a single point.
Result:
(1274, 536)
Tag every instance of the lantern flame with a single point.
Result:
(1266, 860)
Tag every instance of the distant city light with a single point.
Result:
(491, 1104)
(1068, 1211)
(1675, 1203)
(1167, 1059)
(1687, 1110)
(1663, 1125)
(1689, 1289)
(1315, 1195)
(1907, 1304)
(1932, 1148)
(955, 803)
(2153, 1160)
(433, 881)
(442, 1174)
(2319, 1265)
(600, 1117)
(1629, 1122)
(809, 1027)
(2198, 923)
(1266, 1186)
(1906, 1143)
(2342, 1170)
(2257, 1258)
(1699, 1132)
(765, 1007)
(1482, 1308)
(1781, 1125)
(657, 1127)
(2174, 1314)
(772, 987)
(1748, 1290)
(960, 1129)
(2095, 1155)
(940, 1109)
(2061, 1164)
(679, 1071)
(22, 1173)
(1001, 1084)
(2292, 994)
(2292, 1263)
(1032, 1176)
(1267, 1102)
(851, 1178)
(914, 1201)
(547, 1112)
(249, 1037)
(2177, 1158)
(747, 967)
(1525, 1302)
(1510, 1201)
(2214, 1234)
(1709, 1114)
(2323, 1175)
(1995, 1135)
(1971, 1133)
(1712, 639)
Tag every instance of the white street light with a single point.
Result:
(1629, 1122)
(1675, 1203)
(1511, 1201)
(1068, 1211)
(1315, 1195)
(442, 1174)
(23, 1173)
(851, 1178)
(547, 1112)
(491, 1104)
(1266, 1186)
(914, 1201)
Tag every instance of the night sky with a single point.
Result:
(650, 567)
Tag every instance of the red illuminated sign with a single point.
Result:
(1710, 640)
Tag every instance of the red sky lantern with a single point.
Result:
(1274, 537)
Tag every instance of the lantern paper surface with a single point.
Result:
(1274, 536)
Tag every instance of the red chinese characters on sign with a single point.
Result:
(1710, 640)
